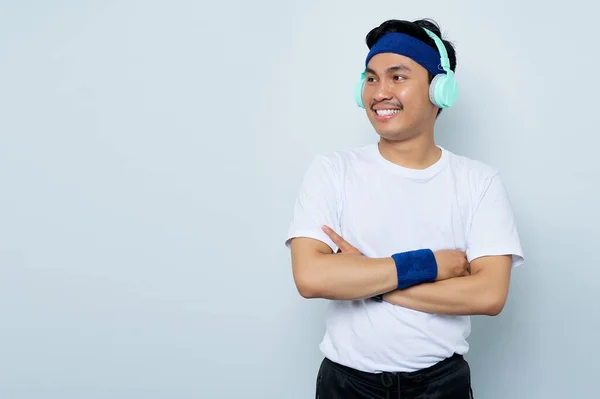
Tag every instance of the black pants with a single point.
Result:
(449, 379)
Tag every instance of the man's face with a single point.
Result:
(396, 97)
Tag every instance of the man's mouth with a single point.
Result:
(387, 113)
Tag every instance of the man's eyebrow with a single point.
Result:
(400, 67)
(393, 68)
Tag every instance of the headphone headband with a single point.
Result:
(444, 60)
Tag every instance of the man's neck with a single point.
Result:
(417, 153)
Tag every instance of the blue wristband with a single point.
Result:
(415, 267)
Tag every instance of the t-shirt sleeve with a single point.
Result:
(316, 204)
(493, 229)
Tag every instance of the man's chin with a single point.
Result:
(390, 131)
(396, 134)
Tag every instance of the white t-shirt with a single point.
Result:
(381, 209)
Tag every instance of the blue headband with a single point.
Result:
(408, 46)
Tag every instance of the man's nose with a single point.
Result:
(383, 91)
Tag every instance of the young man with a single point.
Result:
(404, 237)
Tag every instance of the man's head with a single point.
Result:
(402, 62)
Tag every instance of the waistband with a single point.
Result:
(406, 380)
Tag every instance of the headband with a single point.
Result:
(408, 46)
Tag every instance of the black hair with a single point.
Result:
(414, 29)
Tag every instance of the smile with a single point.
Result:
(386, 113)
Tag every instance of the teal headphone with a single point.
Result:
(443, 90)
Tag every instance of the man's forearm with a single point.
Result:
(347, 277)
(469, 295)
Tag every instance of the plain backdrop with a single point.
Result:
(151, 151)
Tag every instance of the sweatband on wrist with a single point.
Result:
(415, 267)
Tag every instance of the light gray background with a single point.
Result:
(150, 153)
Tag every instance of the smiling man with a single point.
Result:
(405, 238)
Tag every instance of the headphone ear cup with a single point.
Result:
(358, 91)
(443, 90)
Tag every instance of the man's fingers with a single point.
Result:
(338, 240)
(335, 237)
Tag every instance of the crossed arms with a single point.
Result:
(318, 273)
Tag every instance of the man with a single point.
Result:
(404, 237)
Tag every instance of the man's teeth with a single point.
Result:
(387, 112)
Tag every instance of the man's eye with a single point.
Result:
(370, 79)
(398, 77)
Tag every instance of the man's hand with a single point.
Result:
(451, 262)
(343, 245)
